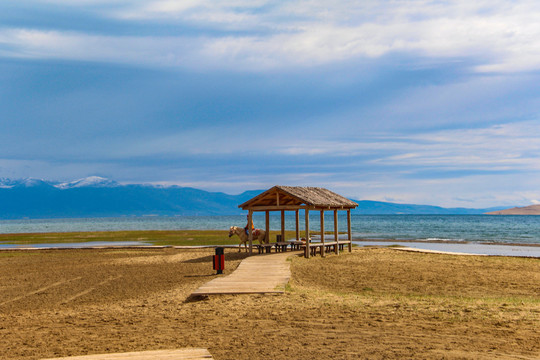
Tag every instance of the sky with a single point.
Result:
(426, 102)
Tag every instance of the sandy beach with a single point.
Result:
(374, 303)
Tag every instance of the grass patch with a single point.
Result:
(154, 237)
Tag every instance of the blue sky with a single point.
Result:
(428, 102)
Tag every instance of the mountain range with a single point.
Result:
(100, 197)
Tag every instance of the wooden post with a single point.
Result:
(297, 225)
(349, 229)
(250, 231)
(282, 225)
(336, 232)
(323, 249)
(267, 227)
(307, 254)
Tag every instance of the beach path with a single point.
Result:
(258, 274)
(179, 354)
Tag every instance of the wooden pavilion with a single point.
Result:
(296, 198)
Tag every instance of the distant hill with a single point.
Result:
(104, 198)
(100, 197)
(368, 207)
(526, 210)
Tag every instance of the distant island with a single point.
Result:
(99, 197)
(525, 210)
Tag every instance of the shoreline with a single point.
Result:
(315, 234)
(213, 238)
(480, 249)
(446, 242)
(461, 247)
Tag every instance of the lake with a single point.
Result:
(443, 228)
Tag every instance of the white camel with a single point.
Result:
(258, 234)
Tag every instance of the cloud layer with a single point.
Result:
(410, 101)
(260, 35)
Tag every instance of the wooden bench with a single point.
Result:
(282, 246)
(264, 248)
(313, 248)
(328, 247)
(343, 243)
(296, 244)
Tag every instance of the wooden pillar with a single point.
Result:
(250, 231)
(336, 231)
(323, 249)
(307, 254)
(267, 227)
(297, 213)
(282, 225)
(349, 232)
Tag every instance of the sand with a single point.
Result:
(374, 303)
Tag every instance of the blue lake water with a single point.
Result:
(445, 228)
(455, 233)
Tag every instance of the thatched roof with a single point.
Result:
(298, 197)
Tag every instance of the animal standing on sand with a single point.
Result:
(258, 234)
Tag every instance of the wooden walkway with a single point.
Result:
(258, 274)
(179, 354)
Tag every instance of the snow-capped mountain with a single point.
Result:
(91, 181)
(6, 183)
(95, 196)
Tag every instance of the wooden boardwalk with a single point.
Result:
(179, 354)
(259, 274)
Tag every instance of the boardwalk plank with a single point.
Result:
(178, 354)
(259, 274)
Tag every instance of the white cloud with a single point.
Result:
(503, 148)
(511, 146)
(497, 36)
(25, 43)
